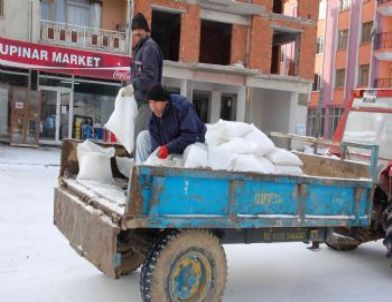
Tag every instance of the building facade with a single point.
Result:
(354, 40)
(63, 61)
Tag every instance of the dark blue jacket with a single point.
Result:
(146, 68)
(178, 128)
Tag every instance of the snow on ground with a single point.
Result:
(38, 265)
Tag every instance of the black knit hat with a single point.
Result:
(140, 22)
(158, 93)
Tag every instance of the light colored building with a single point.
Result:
(62, 61)
(353, 51)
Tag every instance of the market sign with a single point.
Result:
(63, 60)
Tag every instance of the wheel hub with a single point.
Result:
(190, 277)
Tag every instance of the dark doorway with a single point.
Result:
(201, 103)
(165, 30)
(215, 43)
(228, 107)
(278, 7)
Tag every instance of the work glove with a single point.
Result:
(127, 91)
(163, 152)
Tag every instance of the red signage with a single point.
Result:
(64, 60)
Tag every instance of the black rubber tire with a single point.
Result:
(387, 224)
(342, 247)
(162, 257)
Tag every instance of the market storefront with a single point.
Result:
(50, 93)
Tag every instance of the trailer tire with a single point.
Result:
(342, 247)
(187, 266)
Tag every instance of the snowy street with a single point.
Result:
(38, 265)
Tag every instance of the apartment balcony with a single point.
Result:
(384, 7)
(75, 36)
(383, 46)
(383, 83)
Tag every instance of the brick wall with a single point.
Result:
(308, 9)
(190, 35)
(239, 39)
(307, 52)
(260, 44)
(261, 35)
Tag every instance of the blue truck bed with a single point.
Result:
(182, 198)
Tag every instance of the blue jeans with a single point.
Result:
(143, 147)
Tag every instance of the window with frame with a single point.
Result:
(334, 116)
(363, 75)
(344, 4)
(87, 13)
(320, 45)
(313, 122)
(340, 78)
(342, 38)
(366, 35)
(316, 82)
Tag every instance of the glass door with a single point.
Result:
(47, 127)
(65, 126)
(18, 115)
(24, 117)
(56, 114)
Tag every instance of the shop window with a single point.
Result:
(340, 78)
(363, 75)
(10, 82)
(228, 107)
(366, 35)
(165, 30)
(201, 102)
(93, 103)
(342, 38)
(215, 42)
(334, 116)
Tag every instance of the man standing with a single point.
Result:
(174, 125)
(146, 69)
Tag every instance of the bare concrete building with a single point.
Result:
(236, 60)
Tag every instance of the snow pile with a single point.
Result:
(234, 146)
(94, 162)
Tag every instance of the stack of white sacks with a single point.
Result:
(235, 146)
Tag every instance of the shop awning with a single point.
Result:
(55, 59)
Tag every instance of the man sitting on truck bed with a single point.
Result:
(174, 125)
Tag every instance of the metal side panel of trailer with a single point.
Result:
(181, 198)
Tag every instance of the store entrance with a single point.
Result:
(24, 117)
(56, 114)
